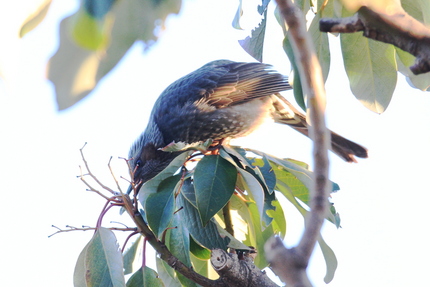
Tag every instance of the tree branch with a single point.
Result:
(291, 264)
(399, 29)
(238, 273)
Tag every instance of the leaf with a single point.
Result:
(166, 273)
(100, 262)
(91, 33)
(371, 69)
(330, 260)
(179, 245)
(237, 16)
(35, 18)
(321, 44)
(159, 206)
(214, 183)
(151, 186)
(97, 8)
(199, 251)
(207, 236)
(201, 266)
(254, 188)
(183, 146)
(147, 277)
(130, 255)
(404, 61)
(267, 172)
(75, 71)
(279, 223)
(294, 78)
(254, 44)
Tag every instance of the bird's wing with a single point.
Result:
(241, 82)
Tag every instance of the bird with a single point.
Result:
(220, 101)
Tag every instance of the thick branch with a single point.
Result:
(399, 29)
(238, 273)
(312, 82)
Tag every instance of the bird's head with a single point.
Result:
(147, 160)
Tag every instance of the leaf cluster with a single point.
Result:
(371, 66)
(192, 203)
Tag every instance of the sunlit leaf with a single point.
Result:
(199, 251)
(75, 71)
(214, 183)
(101, 260)
(404, 61)
(166, 273)
(130, 255)
(254, 188)
(330, 260)
(279, 223)
(371, 69)
(320, 41)
(35, 18)
(91, 33)
(147, 277)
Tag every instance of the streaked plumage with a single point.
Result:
(221, 100)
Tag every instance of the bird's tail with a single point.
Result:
(286, 113)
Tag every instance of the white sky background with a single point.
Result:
(383, 200)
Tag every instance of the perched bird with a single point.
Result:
(219, 101)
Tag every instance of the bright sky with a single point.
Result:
(383, 200)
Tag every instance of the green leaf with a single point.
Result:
(151, 186)
(75, 71)
(97, 8)
(179, 245)
(371, 69)
(130, 255)
(159, 207)
(294, 78)
(254, 188)
(147, 277)
(100, 262)
(279, 223)
(267, 172)
(214, 183)
(320, 41)
(419, 9)
(207, 236)
(91, 33)
(199, 251)
(404, 61)
(35, 18)
(166, 273)
(200, 266)
(254, 44)
(330, 260)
